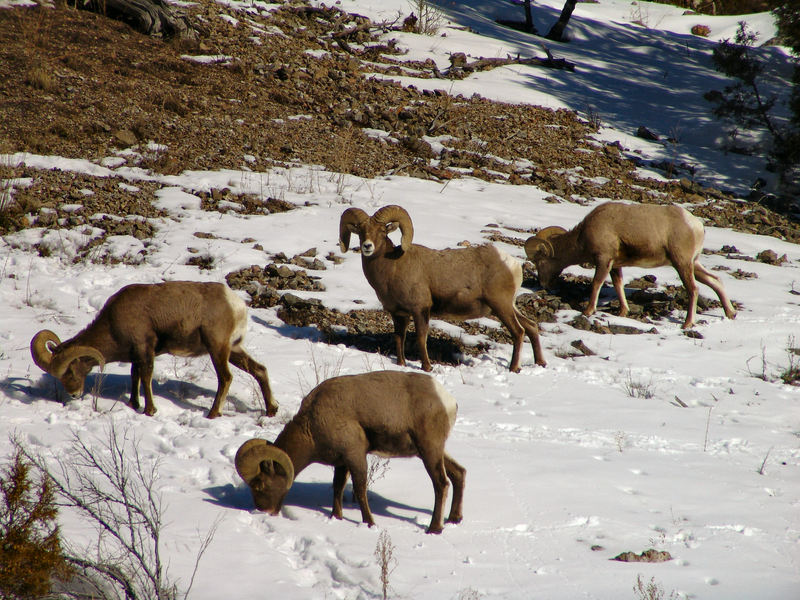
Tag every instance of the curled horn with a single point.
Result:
(61, 361)
(395, 213)
(352, 217)
(541, 244)
(40, 352)
(251, 455)
(549, 232)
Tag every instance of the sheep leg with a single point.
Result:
(704, 276)
(135, 387)
(358, 471)
(219, 359)
(400, 328)
(600, 273)
(616, 279)
(438, 474)
(339, 481)
(532, 329)
(242, 360)
(512, 323)
(146, 372)
(421, 323)
(686, 273)
(457, 474)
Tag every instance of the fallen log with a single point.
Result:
(459, 67)
(151, 17)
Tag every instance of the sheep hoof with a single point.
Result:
(272, 411)
(435, 530)
(337, 516)
(427, 368)
(150, 411)
(213, 414)
(454, 520)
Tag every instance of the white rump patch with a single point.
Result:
(695, 224)
(513, 265)
(239, 310)
(447, 400)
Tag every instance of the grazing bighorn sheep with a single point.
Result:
(415, 281)
(616, 235)
(141, 321)
(390, 413)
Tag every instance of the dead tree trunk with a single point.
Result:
(529, 18)
(556, 32)
(527, 26)
(151, 17)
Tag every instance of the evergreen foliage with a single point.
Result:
(742, 103)
(30, 546)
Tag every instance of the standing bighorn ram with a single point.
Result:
(141, 321)
(415, 281)
(340, 421)
(616, 235)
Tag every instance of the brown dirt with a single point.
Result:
(80, 85)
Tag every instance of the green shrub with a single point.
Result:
(30, 547)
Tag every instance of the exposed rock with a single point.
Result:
(644, 133)
(651, 556)
(770, 257)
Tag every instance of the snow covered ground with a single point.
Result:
(660, 440)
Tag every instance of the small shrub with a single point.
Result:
(701, 30)
(651, 590)
(791, 374)
(30, 546)
(201, 261)
(41, 78)
(637, 389)
(384, 553)
(429, 18)
(376, 469)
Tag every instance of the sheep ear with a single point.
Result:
(349, 223)
(279, 469)
(390, 227)
(256, 455)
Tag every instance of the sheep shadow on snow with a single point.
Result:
(366, 333)
(317, 496)
(117, 386)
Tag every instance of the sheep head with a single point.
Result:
(69, 365)
(373, 232)
(268, 472)
(539, 249)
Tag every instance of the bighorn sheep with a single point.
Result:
(415, 281)
(616, 235)
(141, 321)
(390, 413)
